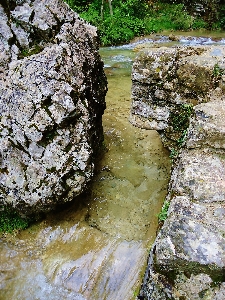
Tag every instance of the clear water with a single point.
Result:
(97, 247)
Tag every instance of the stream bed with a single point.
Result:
(96, 248)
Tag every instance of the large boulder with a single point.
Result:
(52, 97)
(180, 92)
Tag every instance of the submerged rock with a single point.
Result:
(180, 91)
(52, 98)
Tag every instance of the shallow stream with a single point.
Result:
(97, 247)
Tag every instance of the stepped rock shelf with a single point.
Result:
(52, 98)
(180, 92)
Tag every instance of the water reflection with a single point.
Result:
(97, 247)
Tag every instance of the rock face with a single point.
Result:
(52, 97)
(180, 92)
(167, 83)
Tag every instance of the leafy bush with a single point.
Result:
(118, 30)
(10, 220)
(78, 5)
(198, 24)
(93, 17)
(169, 17)
(162, 216)
(121, 27)
(221, 17)
(132, 18)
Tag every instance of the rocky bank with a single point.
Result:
(181, 93)
(52, 97)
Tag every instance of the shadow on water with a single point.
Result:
(96, 248)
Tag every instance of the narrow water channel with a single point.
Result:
(97, 247)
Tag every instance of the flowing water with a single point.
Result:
(97, 247)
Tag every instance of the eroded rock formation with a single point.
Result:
(52, 97)
(180, 92)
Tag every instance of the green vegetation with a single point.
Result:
(173, 153)
(33, 50)
(163, 214)
(217, 74)
(217, 71)
(119, 21)
(210, 12)
(10, 220)
(179, 120)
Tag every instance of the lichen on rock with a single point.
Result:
(166, 79)
(52, 98)
(180, 92)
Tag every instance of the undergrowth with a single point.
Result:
(10, 220)
(133, 18)
(162, 216)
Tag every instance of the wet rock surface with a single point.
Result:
(52, 98)
(188, 256)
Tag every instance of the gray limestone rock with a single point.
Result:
(188, 255)
(207, 125)
(52, 98)
(164, 80)
(200, 174)
(192, 238)
(180, 91)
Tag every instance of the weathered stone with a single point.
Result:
(180, 92)
(5, 36)
(192, 238)
(207, 125)
(200, 174)
(51, 104)
(165, 79)
(188, 253)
